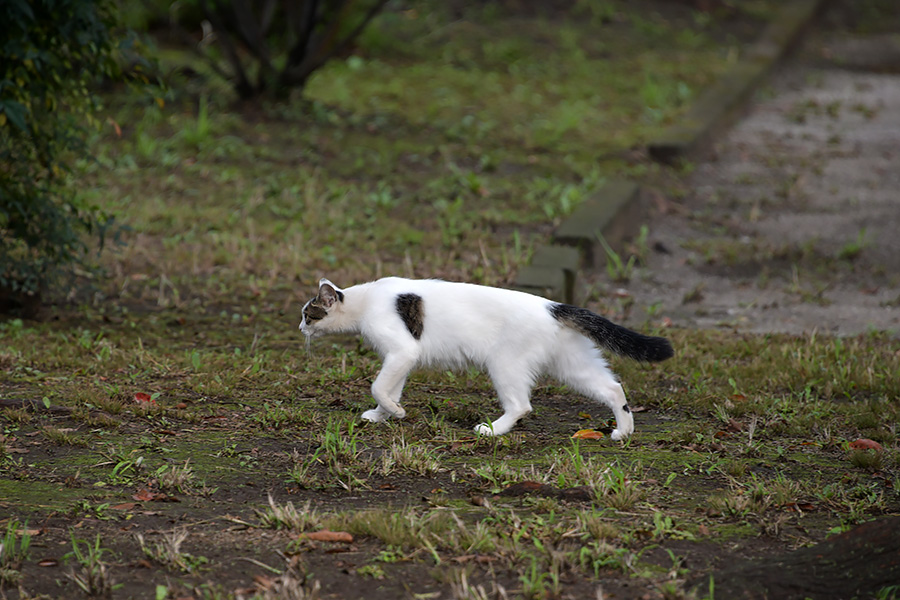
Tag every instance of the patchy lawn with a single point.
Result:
(199, 457)
(167, 434)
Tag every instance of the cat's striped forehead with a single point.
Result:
(313, 311)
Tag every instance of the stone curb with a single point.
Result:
(615, 210)
(611, 212)
(718, 105)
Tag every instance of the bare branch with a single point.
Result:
(306, 22)
(268, 14)
(243, 87)
(252, 35)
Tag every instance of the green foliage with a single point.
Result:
(52, 55)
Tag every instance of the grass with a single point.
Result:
(448, 141)
(746, 432)
(167, 552)
(443, 147)
(14, 550)
(92, 577)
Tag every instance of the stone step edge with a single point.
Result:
(615, 211)
(611, 212)
(719, 105)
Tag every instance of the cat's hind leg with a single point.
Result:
(585, 370)
(388, 386)
(513, 389)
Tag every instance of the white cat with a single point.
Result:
(513, 335)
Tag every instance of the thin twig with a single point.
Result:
(261, 564)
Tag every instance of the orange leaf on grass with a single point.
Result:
(865, 444)
(145, 495)
(141, 398)
(328, 536)
(115, 125)
(587, 434)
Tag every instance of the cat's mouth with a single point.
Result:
(309, 333)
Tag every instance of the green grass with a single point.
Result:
(746, 435)
(444, 147)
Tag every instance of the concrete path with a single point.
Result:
(794, 224)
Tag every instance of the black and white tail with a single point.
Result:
(615, 338)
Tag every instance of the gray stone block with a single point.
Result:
(549, 282)
(564, 258)
(613, 211)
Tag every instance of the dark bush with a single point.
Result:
(53, 54)
(273, 46)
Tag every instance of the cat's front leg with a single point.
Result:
(512, 390)
(388, 386)
(376, 415)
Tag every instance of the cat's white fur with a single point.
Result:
(510, 334)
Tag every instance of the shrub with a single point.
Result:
(275, 45)
(52, 55)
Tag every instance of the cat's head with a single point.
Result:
(318, 312)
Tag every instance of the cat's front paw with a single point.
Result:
(618, 435)
(376, 415)
(485, 429)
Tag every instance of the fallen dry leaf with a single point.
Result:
(145, 495)
(477, 558)
(866, 444)
(143, 398)
(328, 536)
(587, 434)
(115, 125)
(263, 581)
(124, 506)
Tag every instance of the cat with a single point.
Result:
(513, 335)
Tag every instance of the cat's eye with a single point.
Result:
(312, 312)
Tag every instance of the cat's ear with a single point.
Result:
(329, 293)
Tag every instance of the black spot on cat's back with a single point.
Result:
(410, 307)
